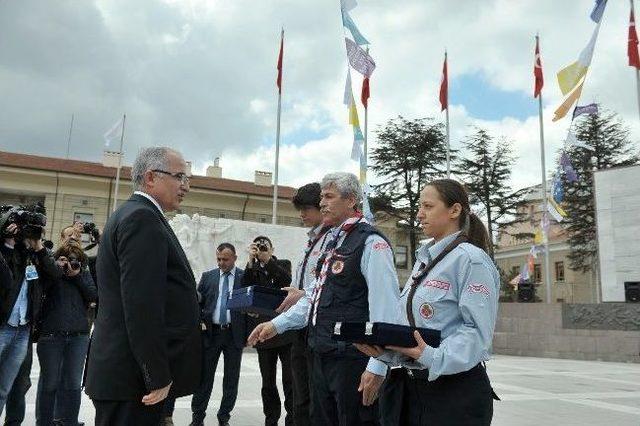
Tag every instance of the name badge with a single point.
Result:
(31, 273)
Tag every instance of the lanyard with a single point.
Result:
(424, 270)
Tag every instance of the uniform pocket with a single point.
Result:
(432, 290)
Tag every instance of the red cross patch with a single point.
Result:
(426, 311)
(337, 266)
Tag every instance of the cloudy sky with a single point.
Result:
(199, 75)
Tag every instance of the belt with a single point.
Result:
(65, 334)
(416, 374)
(215, 326)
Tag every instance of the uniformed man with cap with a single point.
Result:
(356, 281)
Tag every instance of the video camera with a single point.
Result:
(91, 229)
(30, 221)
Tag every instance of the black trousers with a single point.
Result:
(301, 365)
(464, 399)
(127, 413)
(16, 404)
(214, 344)
(335, 381)
(268, 361)
(391, 396)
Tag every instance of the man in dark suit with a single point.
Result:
(146, 341)
(223, 332)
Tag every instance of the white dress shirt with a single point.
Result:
(216, 311)
(150, 198)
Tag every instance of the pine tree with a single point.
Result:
(486, 170)
(611, 148)
(409, 154)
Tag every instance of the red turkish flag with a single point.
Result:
(632, 43)
(364, 97)
(279, 79)
(444, 86)
(537, 72)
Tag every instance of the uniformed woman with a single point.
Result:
(454, 288)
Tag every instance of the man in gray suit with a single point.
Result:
(223, 331)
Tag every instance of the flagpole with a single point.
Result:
(447, 119)
(547, 269)
(366, 137)
(274, 210)
(69, 138)
(545, 240)
(115, 197)
(275, 177)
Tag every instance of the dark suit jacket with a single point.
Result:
(147, 332)
(209, 289)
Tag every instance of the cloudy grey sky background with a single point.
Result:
(199, 75)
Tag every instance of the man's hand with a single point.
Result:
(369, 350)
(253, 252)
(414, 352)
(369, 386)
(11, 230)
(292, 298)
(156, 396)
(264, 331)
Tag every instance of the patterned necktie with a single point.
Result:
(224, 293)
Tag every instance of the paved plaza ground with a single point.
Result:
(534, 391)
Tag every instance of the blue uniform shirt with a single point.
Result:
(459, 297)
(19, 312)
(378, 267)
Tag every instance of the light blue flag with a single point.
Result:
(351, 26)
(366, 209)
(358, 142)
(598, 10)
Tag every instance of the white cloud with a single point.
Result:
(200, 74)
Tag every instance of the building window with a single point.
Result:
(537, 273)
(401, 256)
(560, 271)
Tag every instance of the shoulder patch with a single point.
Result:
(381, 245)
(477, 288)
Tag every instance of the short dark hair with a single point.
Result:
(227, 246)
(262, 237)
(307, 196)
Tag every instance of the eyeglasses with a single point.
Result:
(182, 177)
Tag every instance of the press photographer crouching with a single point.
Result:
(64, 337)
(25, 264)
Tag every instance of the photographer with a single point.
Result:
(25, 262)
(266, 270)
(64, 337)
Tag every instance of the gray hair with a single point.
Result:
(347, 185)
(156, 157)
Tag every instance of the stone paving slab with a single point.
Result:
(534, 391)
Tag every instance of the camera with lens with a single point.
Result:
(75, 264)
(30, 221)
(262, 247)
(91, 229)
